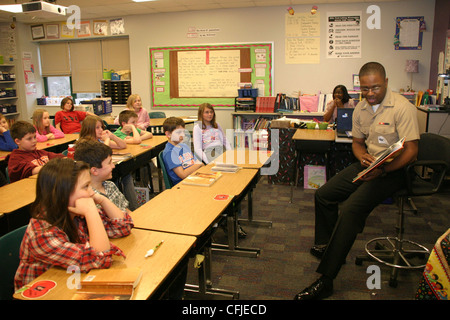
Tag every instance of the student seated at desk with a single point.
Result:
(66, 227)
(6, 142)
(341, 99)
(209, 138)
(26, 160)
(93, 128)
(177, 156)
(69, 120)
(134, 103)
(98, 156)
(128, 130)
(44, 129)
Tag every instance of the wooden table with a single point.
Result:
(189, 212)
(157, 269)
(58, 145)
(17, 195)
(311, 141)
(236, 185)
(245, 158)
(183, 211)
(250, 159)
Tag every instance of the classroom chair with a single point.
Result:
(9, 256)
(423, 178)
(156, 115)
(167, 182)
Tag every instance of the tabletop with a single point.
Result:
(136, 149)
(17, 195)
(155, 269)
(68, 138)
(187, 212)
(314, 134)
(245, 158)
(231, 183)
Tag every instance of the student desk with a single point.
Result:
(249, 159)
(141, 154)
(236, 185)
(16, 199)
(245, 158)
(17, 195)
(311, 141)
(157, 269)
(188, 212)
(58, 145)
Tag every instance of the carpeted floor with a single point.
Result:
(285, 266)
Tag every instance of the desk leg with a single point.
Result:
(249, 220)
(296, 172)
(232, 248)
(204, 290)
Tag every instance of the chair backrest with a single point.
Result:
(156, 114)
(167, 181)
(434, 159)
(9, 257)
(434, 147)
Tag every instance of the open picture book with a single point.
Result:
(387, 154)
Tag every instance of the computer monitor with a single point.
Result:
(344, 121)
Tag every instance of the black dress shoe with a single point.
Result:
(320, 289)
(318, 251)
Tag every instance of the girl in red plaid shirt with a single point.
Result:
(66, 228)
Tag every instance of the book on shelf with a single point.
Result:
(109, 284)
(382, 158)
(202, 179)
(226, 167)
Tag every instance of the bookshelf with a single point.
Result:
(8, 92)
(251, 129)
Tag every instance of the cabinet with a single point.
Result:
(8, 92)
(117, 90)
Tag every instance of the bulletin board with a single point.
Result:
(409, 33)
(187, 76)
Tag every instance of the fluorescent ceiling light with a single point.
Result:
(15, 8)
(143, 0)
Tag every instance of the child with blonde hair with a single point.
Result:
(44, 129)
(134, 103)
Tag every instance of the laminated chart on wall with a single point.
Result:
(343, 35)
(187, 76)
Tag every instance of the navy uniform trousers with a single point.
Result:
(341, 209)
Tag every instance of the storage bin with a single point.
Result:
(248, 93)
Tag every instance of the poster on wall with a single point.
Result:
(302, 38)
(343, 35)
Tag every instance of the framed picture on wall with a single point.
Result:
(37, 32)
(52, 31)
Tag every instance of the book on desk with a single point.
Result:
(109, 284)
(225, 167)
(202, 179)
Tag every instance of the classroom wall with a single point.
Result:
(263, 24)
